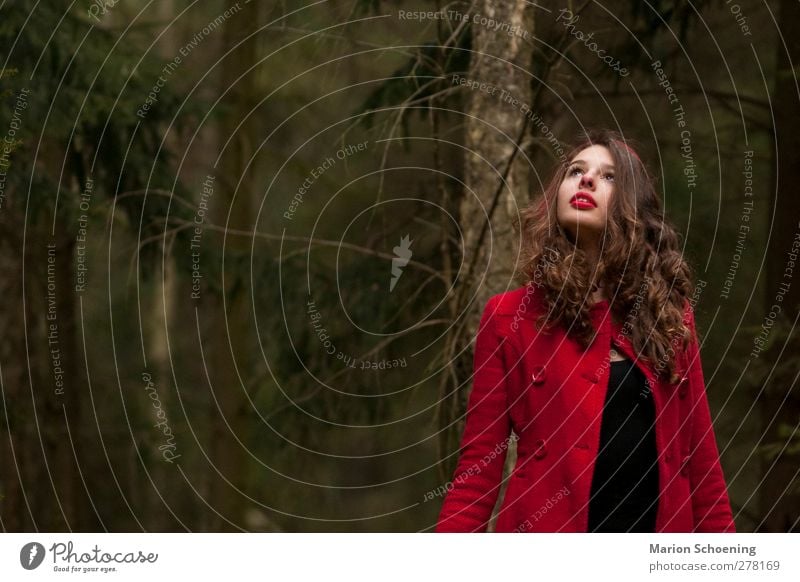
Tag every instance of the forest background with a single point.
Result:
(245, 244)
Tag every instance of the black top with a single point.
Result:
(624, 494)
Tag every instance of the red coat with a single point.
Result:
(551, 393)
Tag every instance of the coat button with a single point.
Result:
(538, 375)
(685, 466)
(539, 449)
(683, 387)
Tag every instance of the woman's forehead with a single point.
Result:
(594, 153)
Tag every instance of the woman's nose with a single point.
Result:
(586, 180)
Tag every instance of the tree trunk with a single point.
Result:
(777, 506)
(16, 442)
(495, 124)
(230, 341)
(59, 499)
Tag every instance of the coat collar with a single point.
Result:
(610, 331)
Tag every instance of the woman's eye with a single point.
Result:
(574, 171)
(610, 177)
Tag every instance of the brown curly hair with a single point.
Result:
(640, 264)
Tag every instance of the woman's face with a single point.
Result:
(585, 194)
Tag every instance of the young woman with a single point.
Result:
(594, 368)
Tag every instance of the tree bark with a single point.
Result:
(495, 123)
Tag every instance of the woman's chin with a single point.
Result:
(579, 233)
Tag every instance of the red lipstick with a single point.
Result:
(582, 201)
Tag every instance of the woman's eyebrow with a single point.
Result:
(583, 163)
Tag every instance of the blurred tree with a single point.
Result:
(78, 142)
(229, 338)
(781, 400)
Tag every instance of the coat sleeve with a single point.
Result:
(473, 491)
(710, 505)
